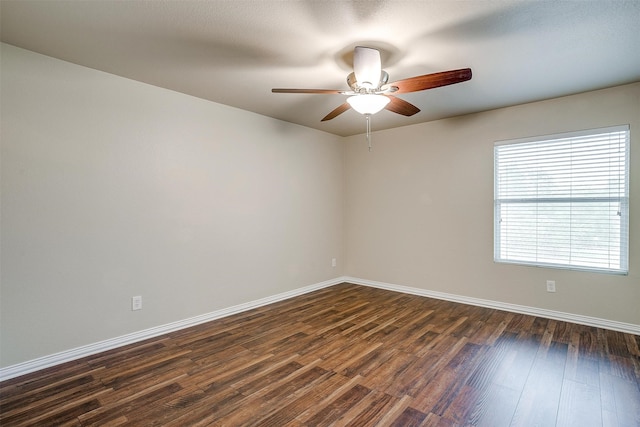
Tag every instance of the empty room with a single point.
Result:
(315, 213)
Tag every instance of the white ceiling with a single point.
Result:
(233, 51)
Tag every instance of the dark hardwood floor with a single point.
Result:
(347, 355)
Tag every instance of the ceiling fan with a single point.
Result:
(370, 91)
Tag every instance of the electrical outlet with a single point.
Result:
(551, 285)
(333, 262)
(136, 303)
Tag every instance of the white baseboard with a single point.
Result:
(515, 308)
(88, 350)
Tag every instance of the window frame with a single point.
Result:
(623, 207)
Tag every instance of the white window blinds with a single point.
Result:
(563, 200)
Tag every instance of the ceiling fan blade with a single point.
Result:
(318, 91)
(401, 106)
(430, 81)
(367, 66)
(337, 111)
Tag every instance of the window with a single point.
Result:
(563, 200)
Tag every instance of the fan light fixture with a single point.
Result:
(370, 92)
(368, 103)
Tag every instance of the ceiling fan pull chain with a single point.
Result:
(368, 116)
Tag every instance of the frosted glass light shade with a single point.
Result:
(368, 104)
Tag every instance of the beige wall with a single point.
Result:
(112, 188)
(419, 208)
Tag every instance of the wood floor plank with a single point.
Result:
(331, 413)
(367, 411)
(111, 399)
(301, 392)
(490, 330)
(205, 409)
(383, 377)
(540, 398)
(496, 406)
(22, 397)
(321, 401)
(67, 416)
(366, 363)
(342, 357)
(579, 405)
(137, 408)
(409, 418)
(621, 401)
(346, 355)
(442, 389)
(515, 369)
(53, 399)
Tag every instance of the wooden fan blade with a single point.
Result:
(336, 112)
(430, 81)
(401, 106)
(318, 91)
